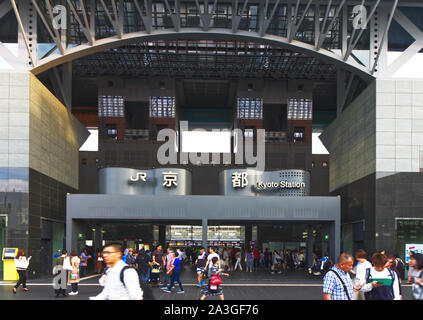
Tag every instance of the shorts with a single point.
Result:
(200, 270)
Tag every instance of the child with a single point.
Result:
(213, 290)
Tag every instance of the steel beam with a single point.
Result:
(23, 33)
(264, 19)
(354, 42)
(296, 24)
(236, 19)
(412, 50)
(382, 42)
(325, 31)
(147, 18)
(175, 16)
(114, 21)
(54, 36)
(84, 27)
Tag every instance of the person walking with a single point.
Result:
(238, 260)
(74, 274)
(232, 260)
(261, 263)
(168, 264)
(381, 283)
(277, 263)
(143, 264)
(200, 263)
(225, 257)
(21, 264)
(64, 262)
(98, 262)
(267, 258)
(211, 255)
(360, 278)
(121, 282)
(256, 254)
(416, 262)
(337, 284)
(175, 271)
(84, 262)
(249, 261)
(214, 289)
(158, 257)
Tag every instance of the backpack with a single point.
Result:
(380, 293)
(147, 292)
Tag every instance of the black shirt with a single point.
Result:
(142, 261)
(158, 256)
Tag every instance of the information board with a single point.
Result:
(9, 253)
(416, 248)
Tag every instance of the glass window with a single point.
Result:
(111, 131)
(110, 106)
(300, 109)
(408, 231)
(250, 108)
(162, 107)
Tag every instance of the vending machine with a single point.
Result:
(9, 269)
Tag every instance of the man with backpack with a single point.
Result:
(381, 283)
(121, 281)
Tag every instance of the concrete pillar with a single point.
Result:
(98, 237)
(254, 235)
(162, 235)
(325, 242)
(156, 232)
(310, 245)
(73, 228)
(204, 232)
(335, 240)
(248, 236)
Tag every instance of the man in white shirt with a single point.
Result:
(210, 257)
(360, 278)
(114, 287)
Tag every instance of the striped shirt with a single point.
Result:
(333, 286)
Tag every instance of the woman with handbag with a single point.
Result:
(21, 264)
(74, 274)
(214, 288)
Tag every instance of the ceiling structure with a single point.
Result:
(206, 59)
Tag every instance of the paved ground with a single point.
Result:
(240, 286)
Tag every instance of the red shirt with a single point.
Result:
(256, 254)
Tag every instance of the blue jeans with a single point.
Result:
(166, 279)
(146, 276)
(175, 277)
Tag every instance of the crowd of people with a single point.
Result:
(130, 274)
(253, 259)
(380, 279)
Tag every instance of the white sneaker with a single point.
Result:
(73, 293)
